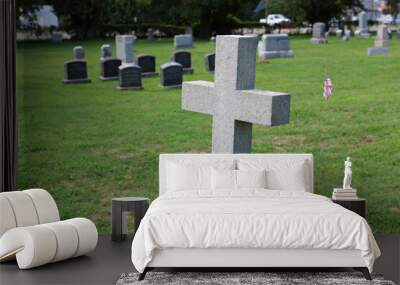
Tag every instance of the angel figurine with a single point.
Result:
(347, 174)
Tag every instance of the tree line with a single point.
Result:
(93, 18)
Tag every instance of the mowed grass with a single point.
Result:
(88, 143)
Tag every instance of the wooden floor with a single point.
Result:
(110, 260)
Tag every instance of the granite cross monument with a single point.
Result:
(232, 100)
(381, 42)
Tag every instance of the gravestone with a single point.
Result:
(232, 100)
(75, 70)
(183, 41)
(362, 29)
(109, 67)
(124, 44)
(130, 77)
(381, 42)
(105, 51)
(79, 52)
(318, 34)
(148, 64)
(185, 59)
(129, 73)
(209, 62)
(171, 75)
(150, 34)
(273, 46)
(398, 31)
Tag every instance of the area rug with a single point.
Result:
(244, 278)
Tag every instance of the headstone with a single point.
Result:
(362, 29)
(273, 46)
(130, 77)
(212, 39)
(232, 100)
(398, 31)
(185, 59)
(148, 64)
(209, 62)
(75, 70)
(109, 67)
(381, 42)
(56, 38)
(318, 34)
(183, 41)
(105, 52)
(124, 44)
(171, 75)
(79, 52)
(150, 34)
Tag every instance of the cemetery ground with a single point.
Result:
(87, 143)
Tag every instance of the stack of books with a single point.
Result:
(344, 194)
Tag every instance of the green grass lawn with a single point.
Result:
(88, 143)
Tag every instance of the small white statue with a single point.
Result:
(347, 174)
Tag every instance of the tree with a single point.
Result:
(209, 15)
(313, 10)
(87, 18)
(394, 7)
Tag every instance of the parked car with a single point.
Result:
(275, 19)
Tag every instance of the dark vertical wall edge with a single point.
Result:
(8, 116)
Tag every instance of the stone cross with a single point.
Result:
(232, 100)
(382, 36)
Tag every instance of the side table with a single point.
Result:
(119, 211)
(357, 205)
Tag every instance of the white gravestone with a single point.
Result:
(273, 46)
(381, 42)
(183, 41)
(124, 44)
(232, 100)
(318, 34)
(362, 29)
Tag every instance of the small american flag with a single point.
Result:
(328, 88)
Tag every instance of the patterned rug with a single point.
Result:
(244, 278)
